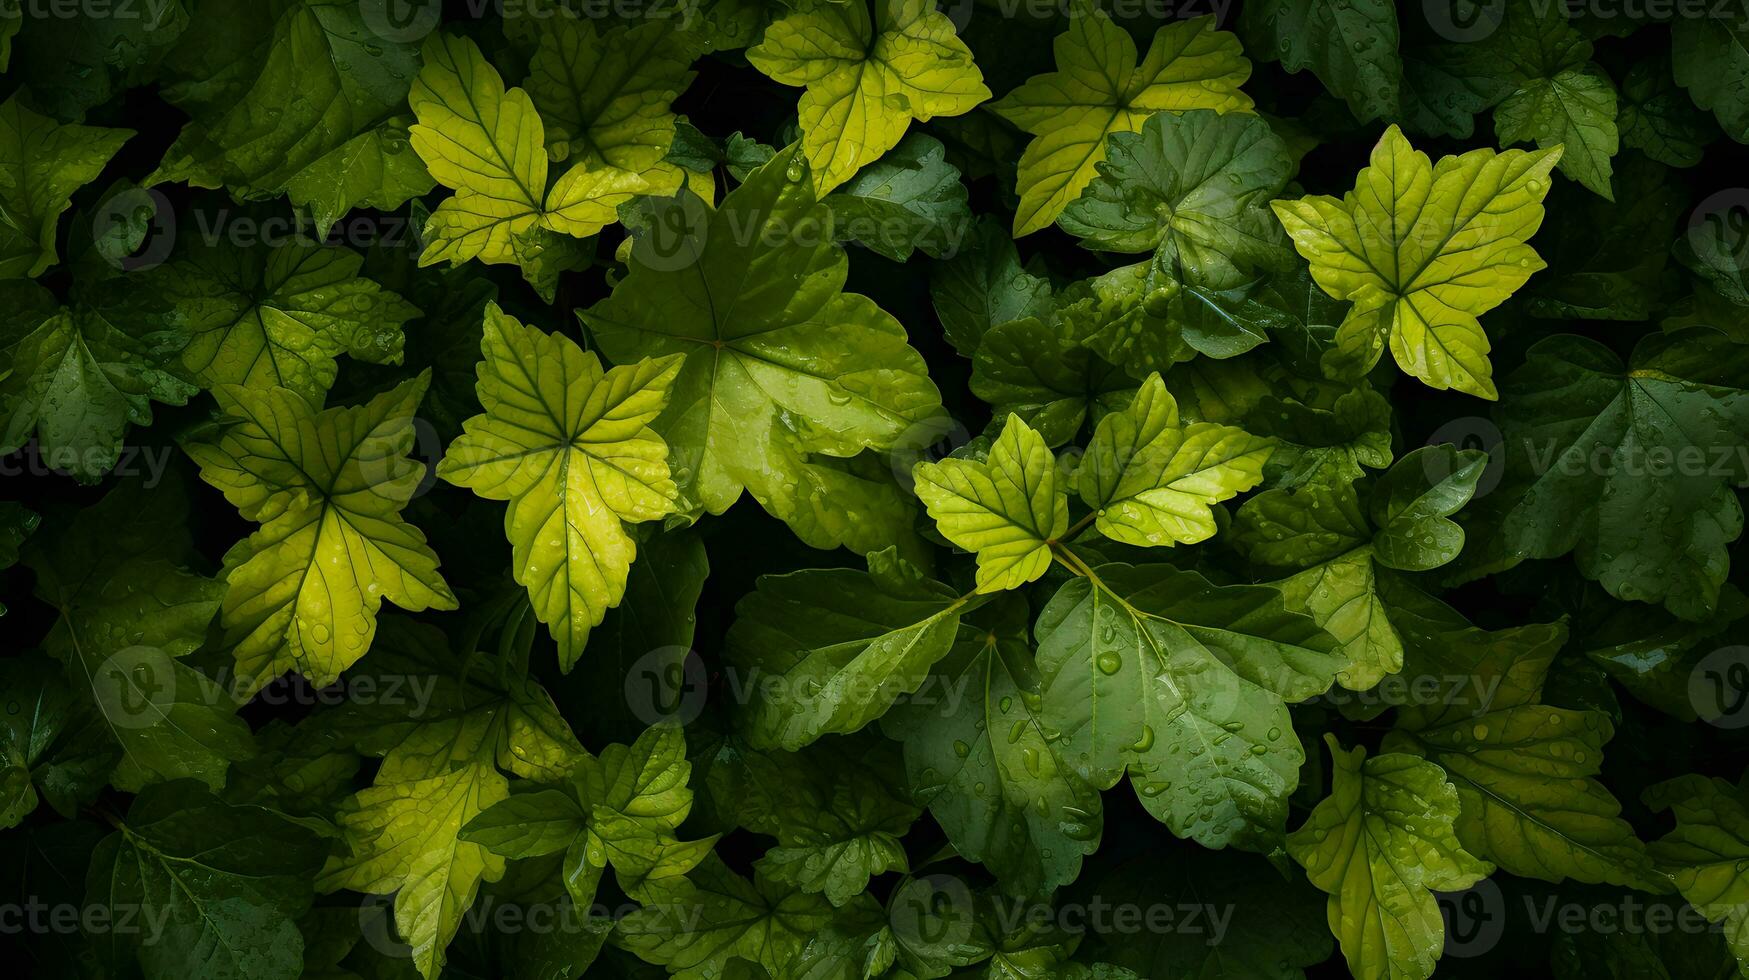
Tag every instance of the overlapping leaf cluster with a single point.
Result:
(835, 489)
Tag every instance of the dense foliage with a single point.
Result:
(835, 489)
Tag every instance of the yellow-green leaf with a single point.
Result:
(1422, 250)
(569, 445)
(1153, 479)
(487, 143)
(1099, 89)
(1007, 509)
(1381, 844)
(867, 78)
(327, 488)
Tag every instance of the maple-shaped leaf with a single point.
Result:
(720, 917)
(786, 375)
(1153, 479)
(43, 162)
(1351, 47)
(1194, 189)
(604, 95)
(867, 77)
(77, 379)
(1584, 436)
(487, 143)
(267, 316)
(838, 810)
(569, 445)
(1183, 685)
(1008, 509)
(1525, 771)
(444, 754)
(1422, 250)
(1345, 560)
(299, 96)
(1381, 844)
(130, 612)
(224, 884)
(1099, 89)
(1039, 370)
(620, 810)
(327, 488)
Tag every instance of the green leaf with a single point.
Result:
(54, 746)
(1412, 503)
(370, 170)
(129, 612)
(909, 199)
(619, 810)
(867, 78)
(1351, 47)
(1193, 189)
(488, 144)
(604, 95)
(1153, 479)
(1008, 510)
(78, 379)
(1184, 685)
(327, 488)
(838, 811)
(44, 163)
(1037, 370)
(1524, 771)
(983, 286)
(1710, 56)
(1589, 437)
(1707, 850)
(721, 916)
(784, 371)
(74, 64)
(570, 446)
(278, 314)
(1422, 251)
(1319, 444)
(286, 94)
(442, 755)
(1381, 844)
(1575, 109)
(1658, 118)
(828, 650)
(1345, 561)
(224, 884)
(1099, 89)
(979, 755)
